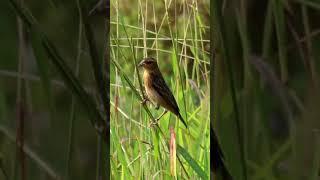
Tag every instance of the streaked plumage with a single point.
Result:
(156, 88)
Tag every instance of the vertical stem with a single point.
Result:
(246, 113)
(309, 58)
(281, 38)
(106, 146)
(20, 100)
(98, 160)
(72, 114)
(215, 8)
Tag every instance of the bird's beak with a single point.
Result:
(141, 63)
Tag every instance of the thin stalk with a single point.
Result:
(310, 57)
(20, 104)
(279, 18)
(267, 31)
(72, 107)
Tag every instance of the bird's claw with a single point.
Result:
(153, 123)
(144, 101)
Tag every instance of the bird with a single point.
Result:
(157, 90)
(218, 163)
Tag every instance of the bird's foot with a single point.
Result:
(144, 101)
(153, 123)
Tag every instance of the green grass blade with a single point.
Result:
(193, 163)
(122, 155)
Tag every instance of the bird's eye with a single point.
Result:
(148, 62)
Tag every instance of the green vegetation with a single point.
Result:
(266, 87)
(265, 84)
(51, 88)
(176, 33)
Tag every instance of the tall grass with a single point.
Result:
(176, 34)
(64, 132)
(266, 71)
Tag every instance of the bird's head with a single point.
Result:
(149, 64)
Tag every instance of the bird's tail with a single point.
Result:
(182, 120)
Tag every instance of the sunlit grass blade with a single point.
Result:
(121, 153)
(173, 150)
(193, 163)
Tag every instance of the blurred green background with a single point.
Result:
(54, 149)
(266, 87)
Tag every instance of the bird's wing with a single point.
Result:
(163, 90)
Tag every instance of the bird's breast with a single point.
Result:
(151, 92)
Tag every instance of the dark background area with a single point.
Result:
(267, 87)
(47, 105)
